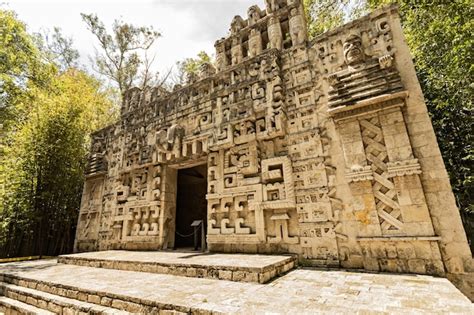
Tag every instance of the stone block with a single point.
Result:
(69, 311)
(53, 307)
(389, 265)
(225, 274)
(72, 294)
(435, 267)
(423, 250)
(92, 298)
(42, 304)
(417, 266)
(82, 296)
(31, 300)
(405, 251)
(105, 301)
(191, 272)
(391, 250)
(371, 264)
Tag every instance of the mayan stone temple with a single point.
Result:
(322, 149)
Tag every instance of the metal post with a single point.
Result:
(195, 238)
(198, 224)
(203, 238)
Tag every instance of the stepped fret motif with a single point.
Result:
(322, 149)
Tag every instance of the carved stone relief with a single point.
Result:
(321, 149)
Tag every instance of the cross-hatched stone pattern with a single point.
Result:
(383, 187)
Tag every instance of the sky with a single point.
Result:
(187, 26)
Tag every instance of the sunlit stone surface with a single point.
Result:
(323, 149)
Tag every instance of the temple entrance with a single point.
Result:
(191, 204)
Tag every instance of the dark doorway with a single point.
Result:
(191, 204)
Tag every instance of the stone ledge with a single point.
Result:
(399, 238)
(240, 268)
(369, 106)
(55, 303)
(11, 306)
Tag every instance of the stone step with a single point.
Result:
(10, 306)
(301, 291)
(233, 267)
(54, 303)
(64, 299)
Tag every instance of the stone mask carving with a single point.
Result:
(167, 140)
(254, 14)
(206, 69)
(237, 24)
(353, 52)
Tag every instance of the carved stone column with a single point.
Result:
(297, 25)
(255, 42)
(221, 58)
(275, 35)
(236, 51)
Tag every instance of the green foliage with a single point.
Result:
(324, 15)
(119, 59)
(45, 164)
(58, 49)
(46, 120)
(190, 66)
(20, 67)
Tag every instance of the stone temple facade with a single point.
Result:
(321, 148)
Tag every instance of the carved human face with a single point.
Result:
(236, 24)
(190, 77)
(353, 53)
(253, 14)
(203, 69)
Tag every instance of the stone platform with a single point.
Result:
(233, 267)
(45, 287)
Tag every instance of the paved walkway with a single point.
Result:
(301, 291)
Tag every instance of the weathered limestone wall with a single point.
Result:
(323, 149)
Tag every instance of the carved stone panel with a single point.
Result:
(320, 148)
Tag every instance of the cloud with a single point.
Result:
(211, 17)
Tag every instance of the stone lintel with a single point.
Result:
(369, 106)
(399, 238)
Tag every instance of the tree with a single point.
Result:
(47, 116)
(58, 49)
(119, 59)
(323, 15)
(45, 165)
(20, 67)
(190, 67)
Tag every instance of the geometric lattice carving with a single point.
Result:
(386, 201)
(296, 158)
(402, 168)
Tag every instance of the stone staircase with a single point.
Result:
(29, 299)
(22, 296)
(122, 282)
(27, 295)
(10, 306)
